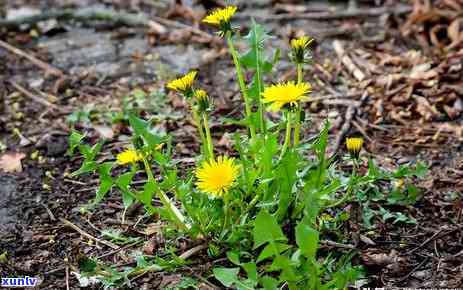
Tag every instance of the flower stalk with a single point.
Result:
(226, 209)
(287, 135)
(354, 146)
(209, 144)
(350, 189)
(242, 84)
(297, 127)
(299, 55)
(198, 123)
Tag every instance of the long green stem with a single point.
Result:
(288, 134)
(173, 211)
(210, 146)
(252, 203)
(240, 76)
(226, 209)
(199, 125)
(299, 73)
(297, 128)
(341, 200)
(257, 49)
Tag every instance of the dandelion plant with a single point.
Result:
(264, 209)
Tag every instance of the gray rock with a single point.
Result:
(85, 50)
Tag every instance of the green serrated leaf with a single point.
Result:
(142, 129)
(227, 276)
(287, 176)
(146, 195)
(106, 181)
(87, 166)
(255, 38)
(234, 257)
(139, 94)
(251, 271)
(245, 284)
(94, 151)
(269, 283)
(266, 229)
(75, 139)
(373, 170)
(271, 250)
(138, 125)
(123, 183)
(284, 264)
(307, 239)
(421, 169)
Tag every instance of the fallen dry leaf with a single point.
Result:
(11, 162)
(367, 240)
(104, 131)
(371, 258)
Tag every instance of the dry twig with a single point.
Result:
(111, 16)
(333, 15)
(193, 251)
(87, 235)
(337, 245)
(35, 98)
(119, 249)
(39, 63)
(67, 278)
(347, 61)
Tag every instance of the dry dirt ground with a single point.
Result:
(402, 92)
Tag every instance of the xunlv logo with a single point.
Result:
(19, 282)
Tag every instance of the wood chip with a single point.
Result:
(347, 61)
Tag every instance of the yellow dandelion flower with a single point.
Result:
(220, 17)
(354, 145)
(184, 83)
(285, 93)
(217, 176)
(128, 156)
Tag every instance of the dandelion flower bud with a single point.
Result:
(299, 48)
(202, 100)
(354, 146)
